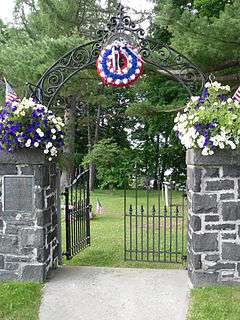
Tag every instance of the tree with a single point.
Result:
(209, 38)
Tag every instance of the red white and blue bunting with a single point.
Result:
(119, 64)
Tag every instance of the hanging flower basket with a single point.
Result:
(210, 122)
(27, 124)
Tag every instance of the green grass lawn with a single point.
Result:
(107, 230)
(19, 301)
(215, 303)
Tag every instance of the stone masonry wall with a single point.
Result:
(28, 233)
(213, 217)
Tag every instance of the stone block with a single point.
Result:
(41, 175)
(201, 278)
(43, 254)
(219, 185)
(8, 169)
(43, 218)
(205, 242)
(231, 211)
(39, 200)
(231, 171)
(33, 272)
(227, 196)
(2, 262)
(212, 257)
(6, 275)
(231, 251)
(54, 219)
(211, 218)
(18, 258)
(211, 172)
(195, 223)
(12, 266)
(194, 178)
(26, 169)
(32, 238)
(228, 236)
(220, 158)
(221, 226)
(224, 266)
(9, 244)
(204, 203)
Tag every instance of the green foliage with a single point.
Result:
(210, 8)
(113, 163)
(208, 41)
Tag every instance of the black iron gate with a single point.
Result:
(154, 225)
(77, 215)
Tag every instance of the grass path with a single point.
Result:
(215, 303)
(19, 301)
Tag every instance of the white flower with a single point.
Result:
(53, 130)
(54, 137)
(39, 132)
(50, 158)
(195, 98)
(200, 141)
(232, 144)
(36, 144)
(207, 85)
(49, 145)
(46, 151)
(28, 143)
(205, 151)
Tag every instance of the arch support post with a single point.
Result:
(213, 217)
(29, 224)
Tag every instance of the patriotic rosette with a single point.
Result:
(119, 64)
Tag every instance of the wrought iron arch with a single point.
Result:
(120, 27)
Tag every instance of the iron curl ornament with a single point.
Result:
(121, 28)
(119, 64)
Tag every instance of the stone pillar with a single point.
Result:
(213, 217)
(28, 216)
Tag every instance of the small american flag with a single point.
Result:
(11, 95)
(237, 95)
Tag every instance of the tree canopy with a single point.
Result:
(122, 125)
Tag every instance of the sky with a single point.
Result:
(6, 7)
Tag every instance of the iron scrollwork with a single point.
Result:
(120, 27)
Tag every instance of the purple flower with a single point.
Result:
(222, 97)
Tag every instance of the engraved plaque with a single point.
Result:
(18, 193)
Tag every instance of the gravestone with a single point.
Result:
(29, 215)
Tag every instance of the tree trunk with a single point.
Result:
(70, 131)
(92, 167)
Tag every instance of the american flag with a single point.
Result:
(11, 95)
(237, 95)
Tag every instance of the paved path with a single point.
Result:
(89, 293)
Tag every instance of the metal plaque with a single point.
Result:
(18, 193)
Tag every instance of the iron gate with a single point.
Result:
(154, 225)
(77, 217)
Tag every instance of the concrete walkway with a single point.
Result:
(89, 293)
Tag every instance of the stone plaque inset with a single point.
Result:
(18, 193)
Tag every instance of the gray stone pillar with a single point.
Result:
(213, 217)
(28, 216)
